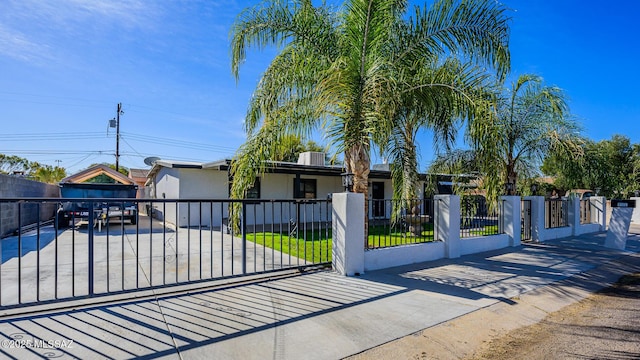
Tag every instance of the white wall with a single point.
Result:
(166, 186)
(185, 184)
(635, 218)
(480, 244)
(402, 255)
(202, 184)
(280, 186)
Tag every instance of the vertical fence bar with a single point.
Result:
(177, 205)
(243, 223)
(138, 263)
(263, 230)
(38, 254)
(19, 253)
(108, 236)
(200, 234)
(304, 229)
(326, 225)
(313, 246)
(255, 249)
(90, 245)
(188, 240)
(232, 223)
(73, 252)
(280, 235)
(122, 264)
(164, 242)
(150, 241)
(273, 236)
(211, 237)
(222, 238)
(1, 254)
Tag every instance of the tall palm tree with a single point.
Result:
(530, 121)
(349, 72)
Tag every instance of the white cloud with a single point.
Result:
(40, 32)
(18, 46)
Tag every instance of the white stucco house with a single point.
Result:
(309, 178)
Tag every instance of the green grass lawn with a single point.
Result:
(317, 247)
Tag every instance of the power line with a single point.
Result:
(132, 136)
(56, 152)
(177, 143)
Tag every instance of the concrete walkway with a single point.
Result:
(317, 315)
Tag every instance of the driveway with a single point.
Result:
(124, 258)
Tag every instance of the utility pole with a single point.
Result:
(118, 112)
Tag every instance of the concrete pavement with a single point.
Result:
(149, 253)
(317, 315)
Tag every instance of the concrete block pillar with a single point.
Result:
(348, 233)
(511, 217)
(635, 218)
(537, 218)
(618, 228)
(574, 215)
(447, 223)
(599, 211)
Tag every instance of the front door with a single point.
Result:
(377, 194)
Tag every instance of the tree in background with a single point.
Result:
(613, 166)
(530, 121)
(292, 146)
(32, 170)
(48, 174)
(347, 72)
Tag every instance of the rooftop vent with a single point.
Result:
(311, 158)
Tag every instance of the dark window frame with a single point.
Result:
(253, 192)
(303, 192)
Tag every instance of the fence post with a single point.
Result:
(599, 216)
(511, 217)
(348, 233)
(635, 218)
(537, 218)
(447, 224)
(574, 215)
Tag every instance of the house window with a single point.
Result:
(251, 193)
(306, 190)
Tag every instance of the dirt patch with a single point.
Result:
(604, 326)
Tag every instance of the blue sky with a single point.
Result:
(65, 65)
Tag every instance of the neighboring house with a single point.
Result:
(139, 176)
(95, 171)
(309, 178)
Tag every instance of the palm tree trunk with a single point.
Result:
(512, 177)
(358, 163)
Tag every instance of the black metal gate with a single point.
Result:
(163, 244)
(525, 227)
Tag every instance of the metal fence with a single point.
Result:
(526, 224)
(556, 213)
(400, 222)
(586, 211)
(165, 243)
(477, 218)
